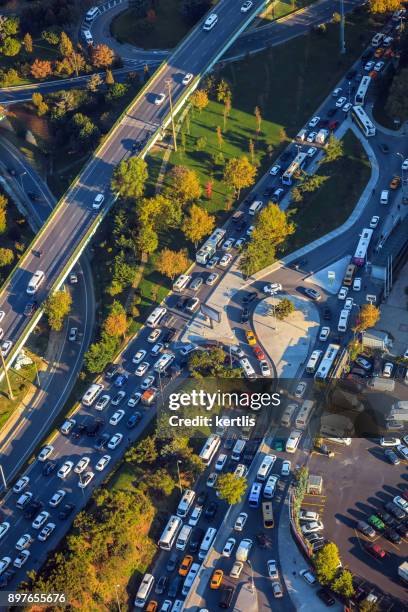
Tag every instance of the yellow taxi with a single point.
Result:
(151, 606)
(216, 579)
(185, 565)
(251, 339)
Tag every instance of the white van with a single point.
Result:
(91, 14)
(255, 207)
(237, 450)
(156, 316)
(91, 394)
(191, 576)
(181, 282)
(287, 416)
(384, 196)
(144, 590)
(265, 467)
(183, 537)
(210, 22)
(35, 281)
(343, 320)
(88, 37)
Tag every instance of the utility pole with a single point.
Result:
(178, 474)
(3, 477)
(10, 392)
(168, 83)
(342, 41)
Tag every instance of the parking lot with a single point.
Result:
(357, 482)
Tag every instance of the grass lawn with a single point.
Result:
(280, 8)
(21, 383)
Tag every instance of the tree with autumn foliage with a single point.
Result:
(199, 99)
(209, 189)
(116, 323)
(102, 56)
(40, 69)
(368, 317)
(239, 173)
(171, 263)
(183, 184)
(28, 43)
(56, 308)
(197, 224)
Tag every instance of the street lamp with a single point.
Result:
(3, 477)
(20, 176)
(168, 83)
(117, 597)
(252, 576)
(178, 474)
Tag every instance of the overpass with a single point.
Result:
(73, 222)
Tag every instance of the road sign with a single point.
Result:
(370, 297)
(331, 275)
(211, 313)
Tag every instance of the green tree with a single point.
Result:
(209, 363)
(369, 316)
(3, 213)
(327, 561)
(66, 47)
(197, 224)
(9, 26)
(143, 452)
(161, 481)
(272, 228)
(183, 184)
(116, 91)
(6, 257)
(57, 307)
(129, 178)
(50, 37)
(11, 47)
(100, 353)
(334, 150)
(230, 488)
(171, 263)
(284, 308)
(147, 240)
(159, 212)
(239, 173)
(223, 91)
(84, 128)
(343, 585)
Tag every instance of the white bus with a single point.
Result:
(185, 503)
(288, 414)
(144, 590)
(327, 362)
(91, 14)
(170, 532)
(360, 255)
(265, 467)
(156, 316)
(210, 246)
(91, 394)
(206, 544)
(362, 91)
(249, 371)
(254, 495)
(294, 167)
(343, 320)
(293, 441)
(209, 449)
(304, 414)
(181, 282)
(237, 450)
(163, 362)
(363, 121)
(183, 537)
(313, 361)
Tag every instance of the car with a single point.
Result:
(246, 6)
(4, 563)
(159, 99)
(118, 398)
(73, 334)
(251, 339)
(195, 515)
(30, 308)
(401, 503)
(249, 297)
(374, 550)
(102, 463)
(116, 417)
(57, 498)
(65, 469)
(342, 294)
(84, 481)
(389, 441)
(300, 389)
(240, 521)
(24, 542)
(134, 399)
(272, 288)
(133, 420)
(185, 565)
(49, 468)
(73, 278)
(277, 589)
(98, 201)
(121, 379)
(369, 66)
(258, 352)
(187, 78)
(374, 221)
(324, 334)
(379, 66)
(21, 558)
(312, 527)
(308, 576)
(357, 284)
(115, 440)
(40, 519)
(277, 195)
(244, 315)
(82, 465)
(139, 356)
(366, 529)
(250, 230)
(387, 369)
(79, 430)
(236, 569)
(336, 92)
(402, 529)
(392, 511)
(154, 335)
(333, 125)
(347, 107)
(311, 137)
(340, 102)
(228, 244)
(212, 279)
(46, 452)
(395, 182)
(286, 467)
(46, 532)
(4, 527)
(66, 511)
(192, 304)
(376, 522)
(21, 484)
(142, 368)
(216, 579)
(67, 426)
(393, 536)
(111, 370)
(349, 303)
(197, 282)
(275, 170)
(211, 510)
(33, 509)
(212, 479)
(221, 460)
(225, 260)
(272, 569)
(402, 450)
(312, 294)
(147, 382)
(326, 597)
(384, 148)
(364, 363)
(270, 486)
(156, 349)
(174, 586)
(314, 121)
(404, 165)
(228, 547)
(212, 263)
(265, 369)
(308, 515)
(391, 457)
(161, 585)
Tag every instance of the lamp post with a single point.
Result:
(10, 391)
(252, 576)
(168, 83)
(20, 176)
(178, 474)
(3, 477)
(117, 597)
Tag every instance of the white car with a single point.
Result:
(139, 356)
(115, 440)
(84, 482)
(311, 151)
(275, 170)
(387, 369)
(157, 348)
(57, 498)
(272, 288)
(272, 569)
(98, 201)
(3, 314)
(240, 471)
(40, 519)
(228, 547)
(308, 576)
(116, 417)
(21, 484)
(195, 516)
(73, 334)
(401, 503)
(265, 369)
(311, 137)
(347, 107)
(225, 260)
(228, 244)
(65, 469)
(270, 486)
(102, 402)
(187, 78)
(300, 389)
(134, 399)
(154, 335)
(236, 569)
(21, 558)
(220, 462)
(102, 463)
(369, 66)
(285, 470)
(379, 66)
(118, 398)
(212, 279)
(277, 589)
(246, 6)
(324, 334)
(404, 166)
(159, 99)
(4, 563)
(147, 382)
(313, 122)
(308, 516)
(357, 284)
(342, 294)
(341, 101)
(348, 304)
(374, 221)
(46, 452)
(6, 347)
(212, 480)
(240, 521)
(312, 527)
(212, 263)
(82, 465)
(142, 368)
(24, 542)
(390, 441)
(250, 230)
(46, 532)
(337, 92)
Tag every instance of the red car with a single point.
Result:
(259, 354)
(375, 551)
(333, 125)
(404, 494)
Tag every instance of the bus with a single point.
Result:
(209, 449)
(313, 361)
(237, 450)
(359, 99)
(265, 467)
(254, 495)
(363, 121)
(348, 276)
(304, 414)
(267, 515)
(206, 544)
(294, 167)
(210, 246)
(185, 503)
(327, 362)
(360, 255)
(170, 532)
(288, 414)
(293, 441)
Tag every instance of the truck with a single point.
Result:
(322, 136)
(403, 571)
(149, 396)
(243, 550)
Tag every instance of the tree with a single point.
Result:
(6, 257)
(208, 362)
(219, 137)
(66, 47)
(116, 91)
(284, 309)
(258, 117)
(197, 224)
(116, 324)
(102, 56)
(147, 240)
(343, 585)
(95, 81)
(209, 189)
(144, 452)
(336, 17)
(28, 43)
(161, 481)
(383, 6)
(39, 103)
(397, 103)
(368, 606)
(334, 150)
(50, 37)
(159, 212)
(199, 99)
(3, 213)
(57, 307)
(272, 228)
(223, 91)
(40, 69)
(100, 353)
(129, 178)
(368, 317)
(239, 173)
(84, 128)
(327, 561)
(11, 47)
(183, 184)
(227, 110)
(171, 263)
(251, 148)
(230, 488)
(9, 26)
(109, 80)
